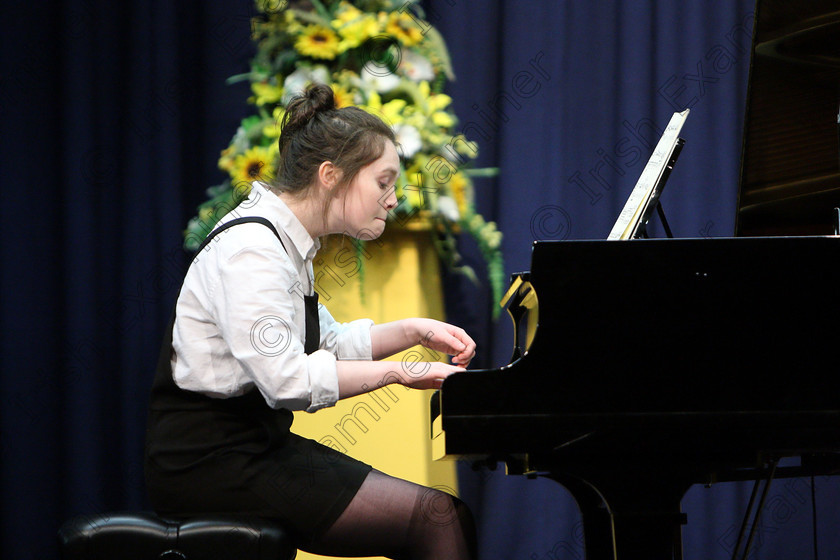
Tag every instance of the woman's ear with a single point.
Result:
(328, 174)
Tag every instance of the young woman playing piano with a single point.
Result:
(219, 438)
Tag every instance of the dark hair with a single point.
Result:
(314, 131)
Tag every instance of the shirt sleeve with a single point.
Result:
(257, 316)
(347, 341)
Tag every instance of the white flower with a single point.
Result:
(378, 78)
(416, 67)
(240, 140)
(448, 208)
(408, 140)
(296, 82)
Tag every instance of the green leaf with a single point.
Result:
(315, 19)
(248, 76)
(481, 172)
(322, 10)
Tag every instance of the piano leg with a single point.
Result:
(637, 519)
(598, 537)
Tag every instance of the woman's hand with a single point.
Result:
(426, 375)
(446, 338)
(357, 377)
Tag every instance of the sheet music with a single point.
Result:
(649, 178)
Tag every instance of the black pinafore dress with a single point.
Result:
(237, 456)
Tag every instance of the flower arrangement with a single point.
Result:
(382, 56)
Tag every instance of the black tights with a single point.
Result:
(398, 519)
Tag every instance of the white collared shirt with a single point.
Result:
(240, 318)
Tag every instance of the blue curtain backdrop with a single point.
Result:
(112, 115)
(111, 119)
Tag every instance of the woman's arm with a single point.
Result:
(388, 339)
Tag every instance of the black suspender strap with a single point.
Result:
(246, 219)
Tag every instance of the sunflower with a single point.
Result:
(253, 165)
(401, 26)
(317, 42)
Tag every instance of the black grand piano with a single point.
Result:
(644, 366)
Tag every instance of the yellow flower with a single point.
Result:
(436, 101)
(266, 93)
(404, 28)
(317, 42)
(273, 130)
(442, 119)
(343, 98)
(413, 189)
(390, 112)
(459, 186)
(354, 26)
(253, 165)
(293, 26)
(432, 106)
(346, 13)
(226, 158)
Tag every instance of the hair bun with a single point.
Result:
(302, 108)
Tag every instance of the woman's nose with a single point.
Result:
(391, 199)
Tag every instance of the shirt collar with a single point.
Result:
(284, 219)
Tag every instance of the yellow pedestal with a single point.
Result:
(387, 428)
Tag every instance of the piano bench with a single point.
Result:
(145, 536)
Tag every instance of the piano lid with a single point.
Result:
(790, 165)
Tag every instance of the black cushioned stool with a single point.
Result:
(145, 536)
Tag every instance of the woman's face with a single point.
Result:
(371, 195)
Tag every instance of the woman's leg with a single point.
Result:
(399, 519)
